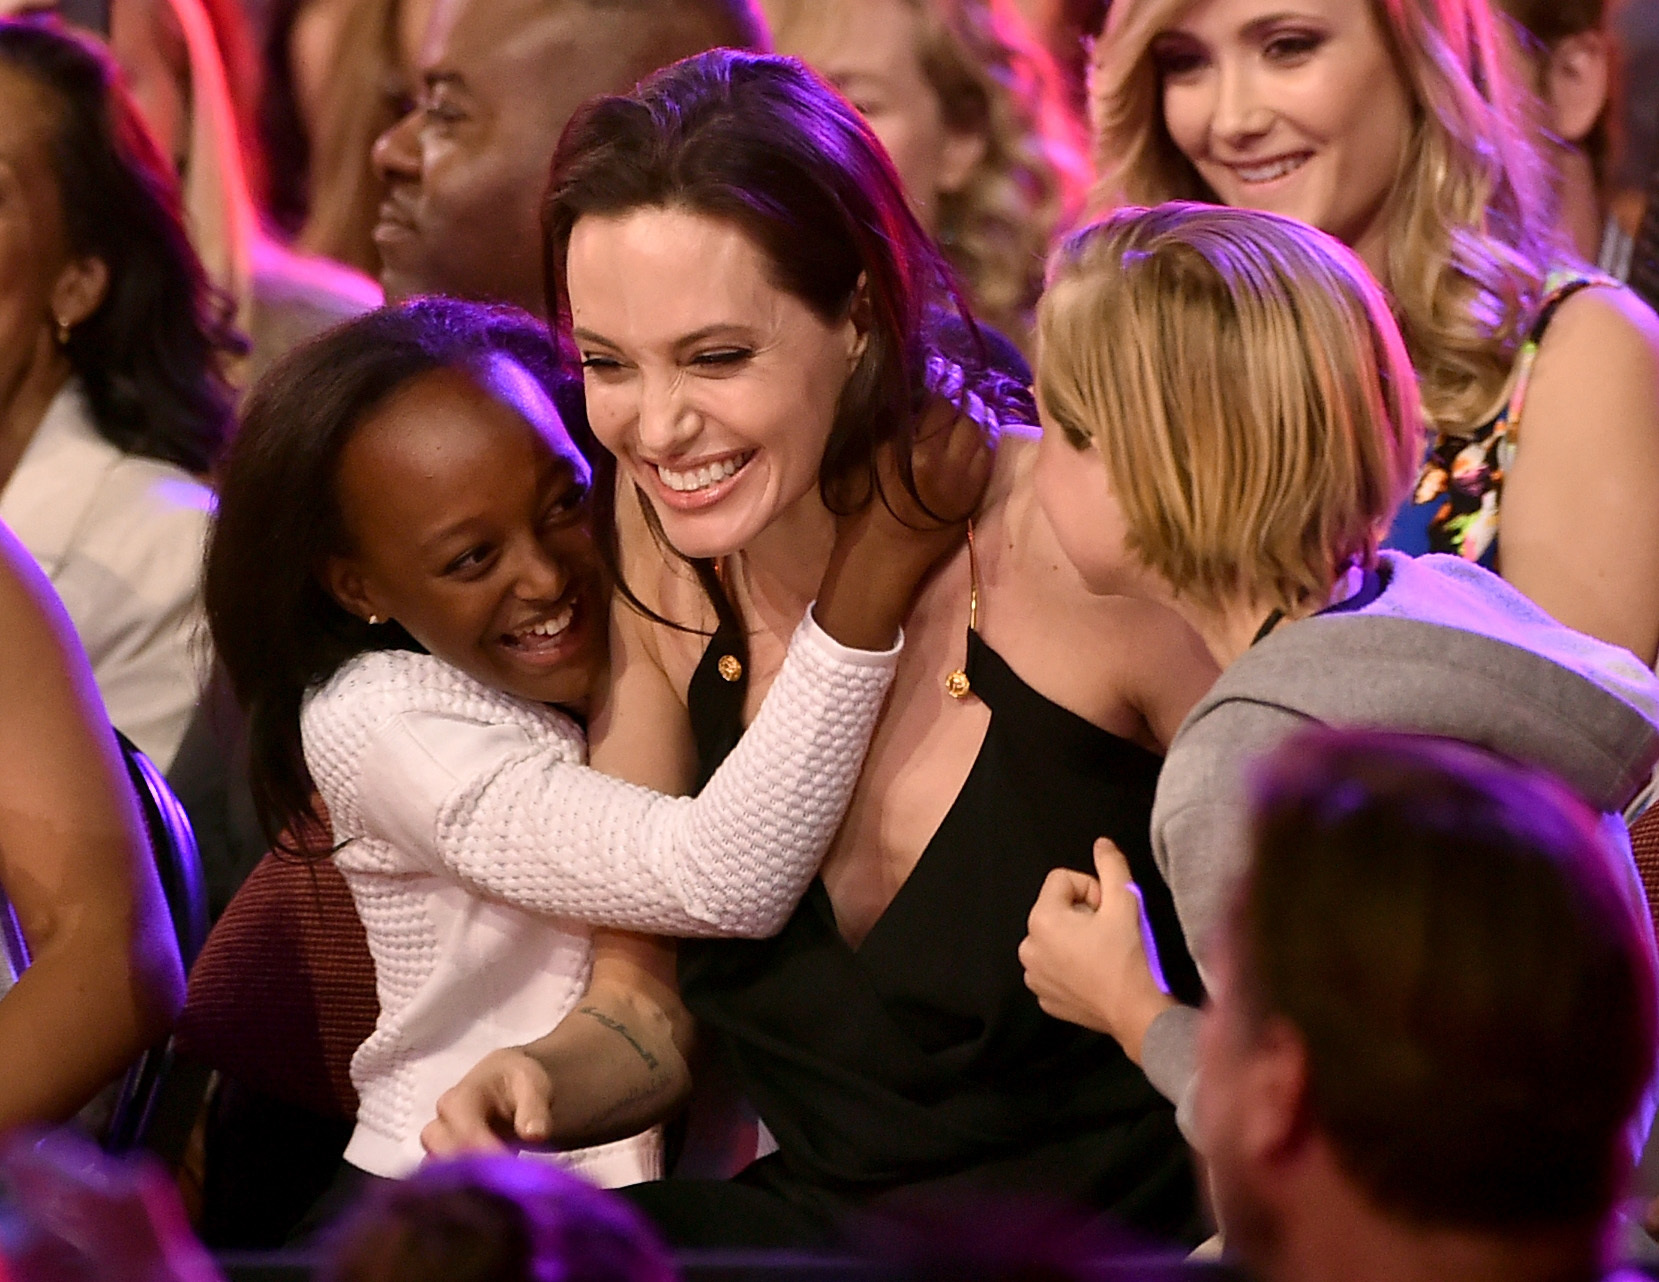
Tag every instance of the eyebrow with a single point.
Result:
(1256, 26)
(685, 340)
(1251, 30)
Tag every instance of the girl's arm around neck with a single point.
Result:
(473, 789)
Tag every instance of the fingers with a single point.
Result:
(1064, 889)
(1109, 863)
(533, 1118)
(1114, 871)
(507, 1096)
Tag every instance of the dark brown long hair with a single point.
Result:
(149, 356)
(763, 143)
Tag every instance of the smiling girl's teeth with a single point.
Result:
(1268, 172)
(702, 477)
(551, 627)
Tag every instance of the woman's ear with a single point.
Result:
(860, 320)
(1576, 84)
(346, 584)
(79, 290)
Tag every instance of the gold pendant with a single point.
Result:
(956, 685)
(730, 667)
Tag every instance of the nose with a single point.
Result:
(1241, 115)
(668, 422)
(540, 575)
(396, 153)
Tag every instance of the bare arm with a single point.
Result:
(1580, 531)
(105, 980)
(614, 1066)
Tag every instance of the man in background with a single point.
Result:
(465, 170)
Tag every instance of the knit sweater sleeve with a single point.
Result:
(508, 813)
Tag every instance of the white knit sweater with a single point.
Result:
(481, 851)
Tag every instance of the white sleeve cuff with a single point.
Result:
(821, 642)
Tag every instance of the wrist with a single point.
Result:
(1138, 1017)
(864, 598)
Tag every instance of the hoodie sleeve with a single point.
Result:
(1201, 842)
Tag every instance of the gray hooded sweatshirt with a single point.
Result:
(1446, 648)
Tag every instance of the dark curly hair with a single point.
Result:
(275, 627)
(150, 357)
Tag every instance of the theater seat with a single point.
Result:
(283, 993)
(1644, 845)
(180, 869)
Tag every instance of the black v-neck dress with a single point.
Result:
(918, 1064)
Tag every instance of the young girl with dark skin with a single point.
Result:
(406, 587)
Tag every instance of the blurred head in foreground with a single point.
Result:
(1433, 1019)
(495, 1219)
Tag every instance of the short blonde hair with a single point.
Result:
(1472, 235)
(994, 78)
(1242, 378)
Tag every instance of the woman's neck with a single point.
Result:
(25, 405)
(1581, 215)
(782, 566)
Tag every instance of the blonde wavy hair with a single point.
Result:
(993, 78)
(1471, 234)
(361, 100)
(1245, 383)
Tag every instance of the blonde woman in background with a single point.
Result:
(342, 73)
(168, 50)
(973, 111)
(1400, 129)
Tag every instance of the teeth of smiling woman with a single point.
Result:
(702, 477)
(1268, 172)
(551, 627)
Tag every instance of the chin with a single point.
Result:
(712, 534)
(570, 686)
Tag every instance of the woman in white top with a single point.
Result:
(406, 589)
(111, 400)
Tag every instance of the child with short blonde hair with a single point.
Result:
(1229, 420)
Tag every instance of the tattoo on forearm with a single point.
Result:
(621, 1030)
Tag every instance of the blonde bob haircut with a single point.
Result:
(1242, 378)
(1472, 232)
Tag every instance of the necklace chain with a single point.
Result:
(957, 684)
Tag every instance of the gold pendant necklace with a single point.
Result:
(729, 666)
(957, 685)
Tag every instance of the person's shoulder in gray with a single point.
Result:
(1445, 648)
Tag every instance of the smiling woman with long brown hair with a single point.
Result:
(760, 314)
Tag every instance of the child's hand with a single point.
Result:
(950, 464)
(1090, 957)
(884, 551)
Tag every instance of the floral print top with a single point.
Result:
(1454, 507)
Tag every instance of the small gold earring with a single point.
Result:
(373, 619)
(63, 332)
